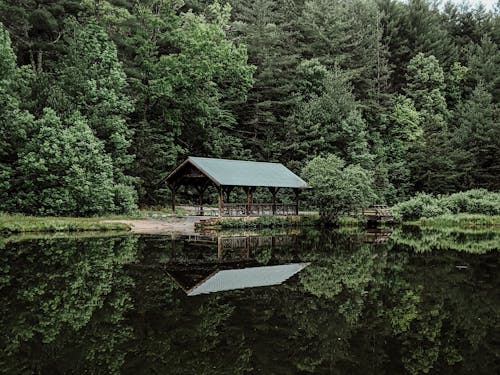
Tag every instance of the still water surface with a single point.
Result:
(314, 302)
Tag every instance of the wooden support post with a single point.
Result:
(249, 190)
(219, 248)
(201, 201)
(201, 191)
(297, 194)
(173, 188)
(249, 198)
(228, 190)
(219, 191)
(274, 191)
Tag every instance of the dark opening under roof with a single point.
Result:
(242, 173)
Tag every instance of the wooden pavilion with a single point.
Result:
(226, 175)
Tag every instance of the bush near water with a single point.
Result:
(477, 201)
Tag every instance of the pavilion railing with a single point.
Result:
(257, 209)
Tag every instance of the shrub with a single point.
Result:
(478, 201)
(338, 188)
(413, 208)
(64, 170)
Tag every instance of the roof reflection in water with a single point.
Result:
(234, 266)
(246, 278)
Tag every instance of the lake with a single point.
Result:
(311, 301)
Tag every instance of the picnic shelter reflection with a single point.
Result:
(233, 267)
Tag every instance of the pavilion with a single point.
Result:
(226, 175)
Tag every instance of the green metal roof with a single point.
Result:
(246, 173)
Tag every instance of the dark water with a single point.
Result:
(336, 302)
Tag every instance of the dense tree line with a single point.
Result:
(100, 99)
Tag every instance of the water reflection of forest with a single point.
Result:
(105, 305)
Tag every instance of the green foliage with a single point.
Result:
(200, 83)
(478, 201)
(404, 133)
(328, 123)
(63, 170)
(15, 124)
(68, 297)
(477, 136)
(446, 233)
(92, 81)
(430, 162)
(338, 188)
(407, 90)
(269, 30)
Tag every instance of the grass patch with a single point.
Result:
(19, 224)
(35, 236)
(458, 220)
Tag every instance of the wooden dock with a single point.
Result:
(377, 214)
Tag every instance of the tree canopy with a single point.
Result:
(407, 90)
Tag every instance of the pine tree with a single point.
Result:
(483, 61)
(477, 141)
(266, 27)
(432, 167)
(328, 122)
(348, 34)
(412, 28)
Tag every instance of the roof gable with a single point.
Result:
(245, 173)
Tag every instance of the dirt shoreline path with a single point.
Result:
(182, 225)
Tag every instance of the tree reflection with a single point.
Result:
(63, 303)
(358, 308)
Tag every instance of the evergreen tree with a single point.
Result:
(431, 162)
(329, 122)
(412, 28)
(403, 136)
(267, 28)
(348, 34)
(483, 61)
(477, 141)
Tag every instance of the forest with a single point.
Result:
(101, 99)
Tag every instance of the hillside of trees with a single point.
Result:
(100, 99)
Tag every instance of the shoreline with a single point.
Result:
(17, 224)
